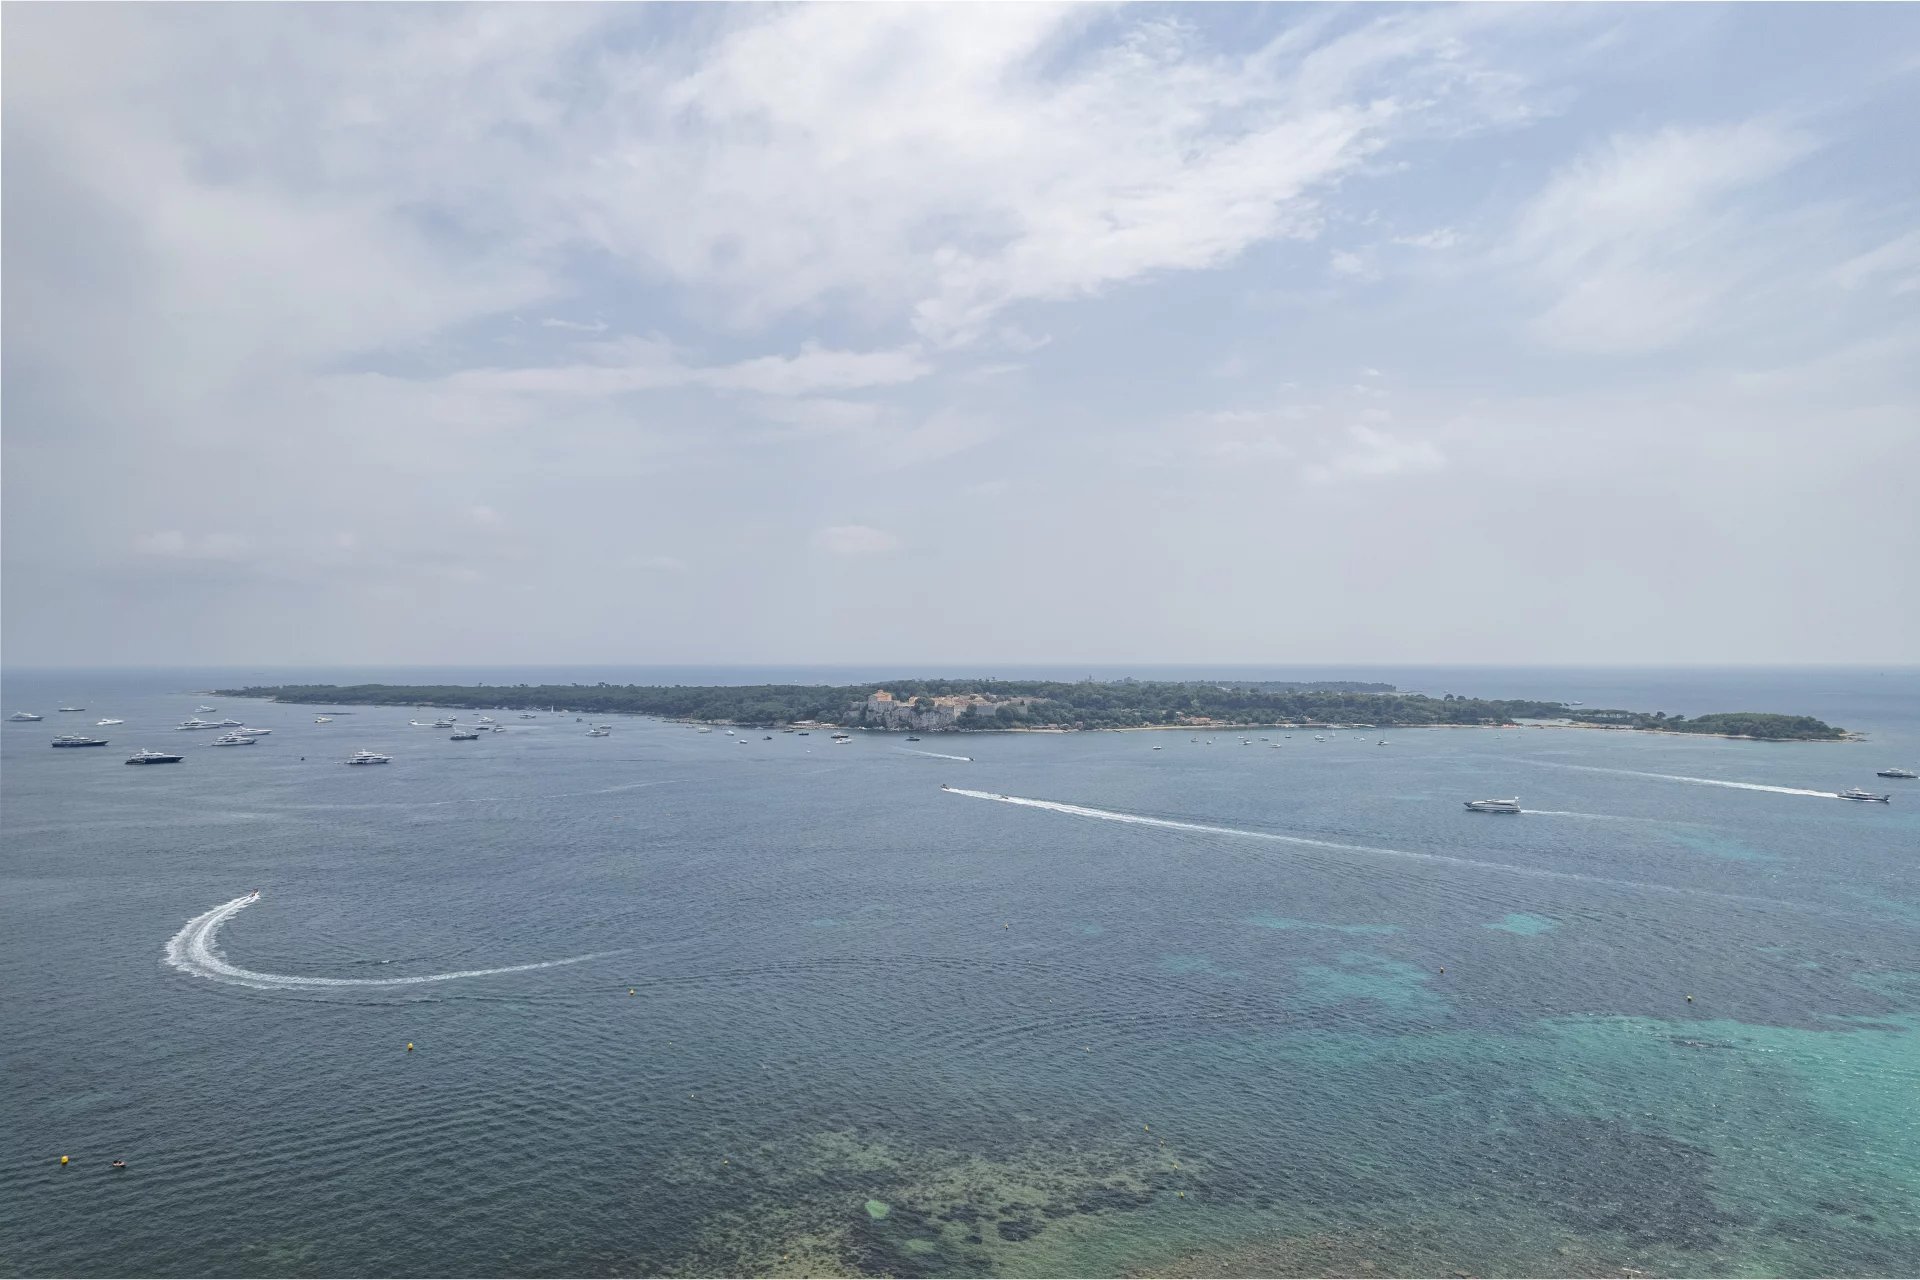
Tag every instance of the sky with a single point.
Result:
(938, 336)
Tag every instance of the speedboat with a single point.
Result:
(1382, 742)
(528, 715)
(323, 719)
(1884, 773)
(443, 724)
(253, 733)
(1494, 806)
(234, 740)
(911, 738)
(470, 735)
(1159, 748)
(486, 720)
(147, 756)
(228, 724)
(73, 708)
(24, 716)
(1855, 793)
(203, 710)
(101, 724)
(424, 724)
(78, 740)
(370, 757)
(600, 731)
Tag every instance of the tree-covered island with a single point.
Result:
(943, 706)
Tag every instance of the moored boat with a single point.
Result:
(146, 755)
(1494, 806)
(78, 740)
(1883, 773)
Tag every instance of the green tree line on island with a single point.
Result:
(1043, 704)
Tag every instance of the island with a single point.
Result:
(960, 706)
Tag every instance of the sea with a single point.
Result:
(1180, 1003)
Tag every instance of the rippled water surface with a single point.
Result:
(1275, 1008)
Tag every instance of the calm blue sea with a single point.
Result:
(1101, 1009)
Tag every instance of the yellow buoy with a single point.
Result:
(409, 1046)
(1689, 999)
(629, 990)
(63, 1159)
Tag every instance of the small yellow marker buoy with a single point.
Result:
(409, 1046)
(1183, 1195)
(629, 990)
(63, 1159)
(1147, 1127)
(1689, 999)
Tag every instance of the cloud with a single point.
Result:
(174, 545)
(855, 540)
(1438, 238)
(661, 564)
(574, 326)
(642, 364)
(1369, 451)
(1897, 262)
(483, 515)
(1639, 242)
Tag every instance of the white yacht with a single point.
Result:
(78, 740)
(443, 724)
(470, 735)
(600, 731)
(101, 724)
(24, 716)
(73, 708)
(228, 724)
(196, 722)
(1494, 806)
(234, 740)
(424, 724)
(486, 720)
(323, 719)
(528, 715)
(203, 710)
(253, 733)
(1855, 793)
(370, 757)
(147, 755)
(1883, 773)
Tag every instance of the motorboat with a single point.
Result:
(78, 740)
(911, 738)
(1855, 793)
(600, 731)
(234, 740)
(146, 755)
(1884, 773)
(1382, 742)
(370, 757)
(101, 724)
(323, 719)
(228, 724)
(528, 715)
(443, 724)
(24, 716)
(196, 722)
(203, 710)
(253, 733)
(485, 720)
(72, 708)
(425, 724)
(1494, 806)
(471, 735)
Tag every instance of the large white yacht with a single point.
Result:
(600, 731)
(464, 735)
(1883, 773)
(1855, 793)
(195, 722)
(73, 708)
(370, 757)
(108, 721)
(231, 739)
(1494, 806)
(78, 740)
(25, 715)
(146, 755)
(323, 719)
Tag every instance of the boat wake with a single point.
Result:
(1679, 777)
(1542, 873)
(195, 950)
(937, 755)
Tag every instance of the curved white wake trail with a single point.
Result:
(937, 755)
(1680, 777)
(1543, 873)
(194, 950)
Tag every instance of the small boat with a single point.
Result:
(197, 723)
(147, 756)
(78, 740)
(1855, 793)
(766, 737)
(1884, 773)
(228, 724)
(470, 735)
(119, 1164)
(323, 719)
(24, 716)
(1494, 806)
(203, 710)
(528, 715)
(1382, 742)
(803, 733)
(486, 720)
(73, 708)
(370, 757)
(253, 733)
(234, 740)
(1159, 748)
(443, 724)
(598, 732)
(101, 724)
(911, 738)
(425, 724)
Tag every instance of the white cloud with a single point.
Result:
(1369, 451)
(1897, 261)
(574, 326)
(1438, 238)
(641, 364)
(1638, 242)
(855, 540)
(175, 545)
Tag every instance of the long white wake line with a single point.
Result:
(1680, 777)
(1544, 873)
(937, 755)
(194, 950)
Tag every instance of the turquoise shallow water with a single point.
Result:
(1173, 1012)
